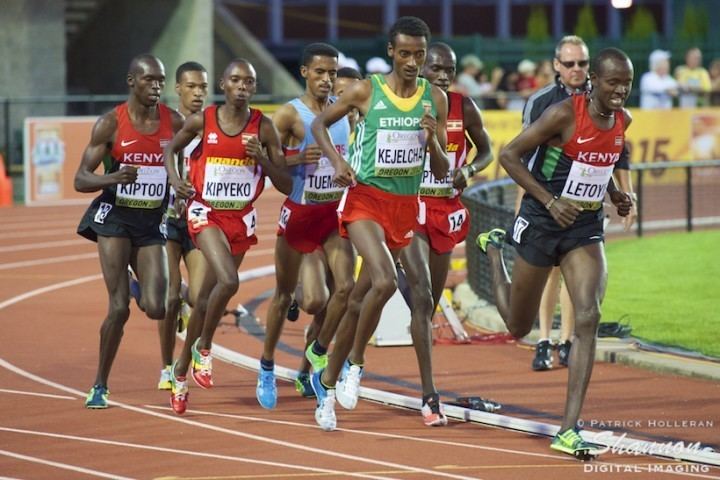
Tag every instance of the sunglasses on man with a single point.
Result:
(571, 64)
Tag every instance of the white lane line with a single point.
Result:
(47, 261)
(40, 245)
(41, 233)
(174, 418)
(49, 288)
(64, 466)
(177, 451)
(35, 394)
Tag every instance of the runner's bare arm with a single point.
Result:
(480, 138)
(192, 126)
(436, 129)
(291, 130)
(274, 163)
(101, 138)
(555, 126)
(356, 95)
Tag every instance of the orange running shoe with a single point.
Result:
(201, 366)
(178, 392)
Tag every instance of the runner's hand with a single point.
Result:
(428, 123)
(622, 201)
(253, 147)
(311, 154)
(127, 174)
(183, 189)
(564, 213)
(344, 176)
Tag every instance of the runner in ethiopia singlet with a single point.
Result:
(443, 219)
(133, 210)
(308, 216)
(388, 156)
(578, 172)
(226, 181)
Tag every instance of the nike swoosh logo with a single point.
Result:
(123, 143)
(581, 140)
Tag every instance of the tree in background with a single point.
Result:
(538, 29)
(586, 28)
(642, 25)
(695, 23)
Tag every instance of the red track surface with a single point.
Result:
(53, 301)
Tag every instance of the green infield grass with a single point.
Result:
(668, 287)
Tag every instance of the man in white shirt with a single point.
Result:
(658, 87)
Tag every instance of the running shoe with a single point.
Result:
(178, 392)
(293, 312)
(266, 390)
(495, 237)
(543, 356)
(201, 366)
(348, 389)
(571, 442)
(318, 362)
(183, 316)
(135, 290)
(165, 383)
(325, 411)
(302, 385)
(97, 397)
(563, 350)
(432, 412)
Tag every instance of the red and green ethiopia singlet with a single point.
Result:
(456, 152)
(223, 175)
(389, 148)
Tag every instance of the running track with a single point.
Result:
(52, 301)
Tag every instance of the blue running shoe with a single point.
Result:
(302, 385)
(325, 411)
(97, 398)
(266, 390)
(348, 389)
(135, 290)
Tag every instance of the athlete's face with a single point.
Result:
(572, 65)
(193, 90)
(439, 68)
(147, 82)
(612, 83)
(239, 83)
(408, 55)
(319, 75)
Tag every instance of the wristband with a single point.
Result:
(551, 202)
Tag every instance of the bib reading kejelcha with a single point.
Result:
(389, 148)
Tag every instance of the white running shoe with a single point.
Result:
(348, 388)
(325, 412)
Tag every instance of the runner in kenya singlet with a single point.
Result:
(578, 171)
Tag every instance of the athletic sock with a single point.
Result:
(318, 349)
(267, 365)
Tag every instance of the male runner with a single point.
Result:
(126, 219)
(308, 219)
(191, 85)
(402, 116)
(443, 221)
(227, 174)
(560, 221)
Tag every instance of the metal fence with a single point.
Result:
(671, 196)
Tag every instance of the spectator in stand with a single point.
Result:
(658, 87)
(525, 85)
(377, 65)
(467, 81)
(545, 73)
(714, 72)
(693, 80)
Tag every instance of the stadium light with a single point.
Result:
(622, 3)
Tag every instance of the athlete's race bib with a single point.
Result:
(456, 220)
(284, 217)
(432, 187)
(399, 153)
(230, 183)
(198, 214)
(319, 185)
(148, 190)
(250, 222)
(586, 185)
